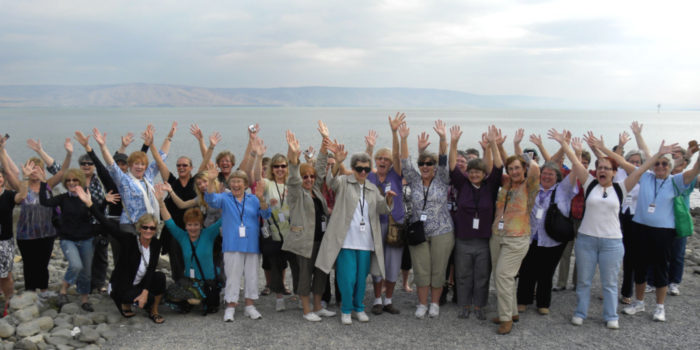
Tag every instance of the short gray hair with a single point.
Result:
(635, 152)
(360, 157)
(554, 167)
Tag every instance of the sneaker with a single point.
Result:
(228, 315)
(325, 313)
(614, 324)
(576, 321)
(649, 289)
(389, 308)
(543, 310)
(361, 316)
(659, 314)
(312, 317)
(464, 313)
(377, 309)
(434, 310)
(324, 304)
(252, 312)
(420, 311)
(346, 319)
(635, 307)
(673, 289)
(279, 305)
(480, 314)
(558, 289)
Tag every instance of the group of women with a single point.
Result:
(315, 215)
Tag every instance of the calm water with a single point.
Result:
(348, 125)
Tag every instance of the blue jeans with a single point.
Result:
(606, 253)
(79, 256)
(352, 267)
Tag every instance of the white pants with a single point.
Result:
(236, 265)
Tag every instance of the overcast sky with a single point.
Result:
(613, 50)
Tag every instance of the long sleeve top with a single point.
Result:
(203, 245)
(235, 214)
(74, 222)
(131, 191)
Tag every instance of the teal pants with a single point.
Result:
(352, 267)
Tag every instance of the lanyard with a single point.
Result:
(476, 194)
(362, 203)
(281, 195)
(656, 190)
(425, 194)
(240, 211)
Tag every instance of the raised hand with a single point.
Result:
(560, 137)
(68, 145)
(455, 133)
(196, 132)
(34, 145)
(577, 144)
(259, 146)
(624, 138)
(423, 141)
(492, 134)
(160, 191)
(594, 141)
(28, 168)
(536, 140)
(127, 139)
(173, 129)
(294, 149)
(100, 138)
(82, 139)
(309, 153)
(254, 134)
(340, 154)
(440, 128)
(666, 149)
(636, 127)
(484, 142)
(323, 129)
(404, 131)
(112, 197)
(371, 138)
(214, 139)
(500, 139)
(83, 195)
(147, 135)
(518, 136)
(260, 190)
(396, 122)
(211, 171)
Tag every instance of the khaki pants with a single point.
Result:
(430, 260)
(507, 253)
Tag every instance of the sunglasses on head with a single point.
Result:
(311, 176)
(86, 163)
(426, 163)
(663, 164)
(278, 166)
(360, 169)
(148, 228)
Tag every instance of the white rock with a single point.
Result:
(81, 320)
(28, 329)
(62, 333)
(88, 335)
(20, 301)
(70, 309)
(45, 323)
(35, 338)
(27, 314)
(6, 329)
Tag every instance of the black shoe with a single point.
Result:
(87, 307)
(558, 289)
(377, 309)
(62, 300)
(443, 296)
(464, 313)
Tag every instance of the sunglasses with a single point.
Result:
(663, 164)
(278, 166)
(87, 163)
(361, 169)
(182, 165)
(426, 163)
(148, 228)
(72, 180)
(312, 176)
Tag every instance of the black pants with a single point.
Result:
(327, 293)
(127, 296)
(36, 254)
(406, 259)
(177, 263)
(100, 257)
(628, 233)
(537, 269)
(277, 264)
(652, 247)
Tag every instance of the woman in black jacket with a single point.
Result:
(134, 279)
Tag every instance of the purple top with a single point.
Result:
(467, 209)
(395, 180)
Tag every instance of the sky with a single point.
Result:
(624, 51)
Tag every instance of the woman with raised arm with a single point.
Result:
(135, 186)
(309, 215)
(241, 231)
(134, 279)
(599, 240)
(387, 178)
(35, 228)
(511, 232)
(353, 240)
(473, 218)
(429, 186)
(8, 200)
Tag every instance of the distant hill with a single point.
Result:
(153, 95)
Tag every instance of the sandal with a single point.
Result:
(626, 300)
(127, 311)
(265, 291)
(157, 318)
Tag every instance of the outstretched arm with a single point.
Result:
(35, 145)
(634, 177)
(440, 130)
(537, 140)
(395, 147)
(66, 164)
(197, 133)
(576, 166)
(516, 141)
(641, 144)
(455, 134)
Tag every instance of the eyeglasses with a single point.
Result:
(605, 168)
(72, 180)
(360, 169)
(87, 163)
(663, 164)
(278, 166)
(426, 163)
(312, 176)
(182, 165)
(382, 158)
(148, 228)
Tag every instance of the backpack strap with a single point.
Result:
(590, 188)
(618, 190)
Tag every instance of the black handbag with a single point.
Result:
(558, 227)
(415, 233)
(211, 289)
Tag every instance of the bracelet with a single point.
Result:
(169, 138)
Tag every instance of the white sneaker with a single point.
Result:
(673, 289)
(325, 313)
(252, 312)
(361, 316)
(614, 324)
(420, 311)
(47, 294)
(434, 310)
(324, 304)
(659, 314)
(635, 307)
(576, 321)
(346, 319)
(312, 317)
(649, 289)
(279, 305)
(228, 314)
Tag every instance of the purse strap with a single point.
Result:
(199, 266)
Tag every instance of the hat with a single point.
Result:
(120, 157)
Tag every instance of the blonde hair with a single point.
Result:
(144, 219)
(238, 174)
(276, 159)
(200, 195)
(76, 173)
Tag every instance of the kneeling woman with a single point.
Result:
(134, 279)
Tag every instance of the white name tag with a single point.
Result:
(423, 217)
(387, 188)
(241, 231)
(323, 226)
(500, 225)
(280, 216)
(539, 213)
(628, 200)
(363, 227)
(651, 209)
(475, 223)
(191, 273)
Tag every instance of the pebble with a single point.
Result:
(45, 323)
(50, 313)
(98, 317)
(20, 301)
(36, 339)
(27, 329)
(26, 345)
(62, 333)
(88, 335)
(57, 340)
(70, 309)
(6, 329)
(81, 320)
(28, 313)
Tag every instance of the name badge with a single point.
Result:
(387, 188)
(280, 216)
(539, 213)
(363, 227)
(652, 208)
(323, 225)
(501, 225)
(241, 231)
(423, 217)
(628, 200)
(191, 273)
(475, 223)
